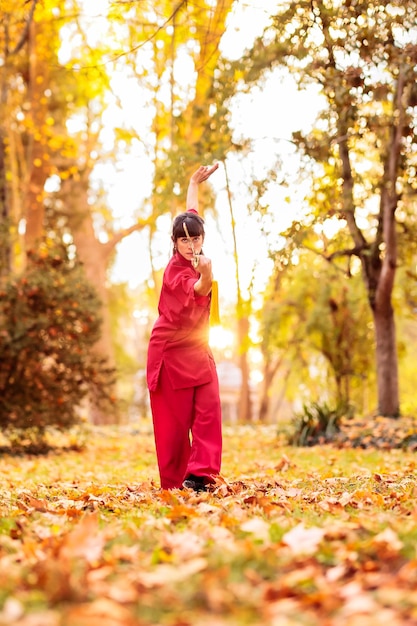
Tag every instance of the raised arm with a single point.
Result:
(202, 174)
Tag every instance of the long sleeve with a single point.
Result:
(179, 338)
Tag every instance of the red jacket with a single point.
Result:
(179, 338)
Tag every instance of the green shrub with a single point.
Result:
(317, 423)
(49, 324)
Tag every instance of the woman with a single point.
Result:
(181, 373)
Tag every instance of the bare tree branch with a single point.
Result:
(25, 33)
(110, 245)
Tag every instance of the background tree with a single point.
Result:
(63, 99)
(43, 99)
(314, 331)
(243, 312)
(16, 25)
(172, 53)
(49, 323)
(362, 55)
(190, 123)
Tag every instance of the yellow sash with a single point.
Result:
(214, 304)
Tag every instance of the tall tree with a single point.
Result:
(96, 257)
(313, 309)
(80, 202)
(174, 53)
(43, 44)
(16, 26)
(363, 57)
(41, 100)
(243, 310)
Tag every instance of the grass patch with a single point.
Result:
(88, 537)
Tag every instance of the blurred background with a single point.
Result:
(107, 107)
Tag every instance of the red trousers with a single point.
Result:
(179, 413)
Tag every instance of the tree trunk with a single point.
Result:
(95, 258)
(381, 304)
(38, 157)
(264, 402)
(386, 362)
(92, 254)
(270, 370)
(243, 324)
(245, 399)
(379, 279)
(4, 209)
(4, 214)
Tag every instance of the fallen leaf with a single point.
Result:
(184, 545)
(86, 540)
(388, 541)
(166, 574)
(303, 540)
(257, 527)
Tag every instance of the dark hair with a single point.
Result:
(194, 223)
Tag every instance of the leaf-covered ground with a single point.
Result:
(289, 536)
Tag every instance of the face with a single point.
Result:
(184, 248)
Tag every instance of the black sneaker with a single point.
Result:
(196, 483)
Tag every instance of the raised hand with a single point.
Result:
(203, 173)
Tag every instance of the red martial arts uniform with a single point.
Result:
(182, 381)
